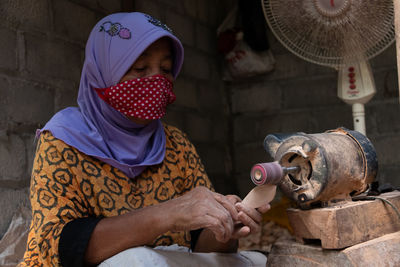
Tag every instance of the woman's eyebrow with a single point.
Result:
(169, 56)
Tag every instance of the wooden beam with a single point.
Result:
(396, 4)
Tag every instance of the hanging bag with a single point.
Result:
(240, 61)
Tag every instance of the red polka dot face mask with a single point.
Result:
(143, 98)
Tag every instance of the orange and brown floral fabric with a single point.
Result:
(67, 185)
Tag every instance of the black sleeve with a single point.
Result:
(74, 240)
(194, 237)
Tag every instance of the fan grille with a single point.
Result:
(350, 30)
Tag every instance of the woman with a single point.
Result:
(109, 175)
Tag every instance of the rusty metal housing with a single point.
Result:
(333, 165)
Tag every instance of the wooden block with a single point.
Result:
(382, 251)
(348, 224)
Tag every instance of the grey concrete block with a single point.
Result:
(28, 14)
(8, 44)
(387, 149)
(28, 102)
(186, 93)
(389, 174)
(247, 155)
(203, 11)
(4, 89)
(258, 98)
(206, 38)
(176, 5)
(296, 122)
(213, 14)
(276, 46)
(48, 59)
(190, 7)
(219, 130)
(10, 200)
(331, 117)
(248, 129)
(182, 26)
(212, 156)
(152, 8)
(387, 117)
(211, 97)
(12, 158)
(198, 127)
(384, 60)
(197, 64)
(386, 85)
(65, 97)
(75, 24)
(310, 93)
(110, 6)
(220, 10)
(223, 184)
(216, 72)
(286, 122)
(93, 4)
(30, 142)
(245, 128)
(391, 85)
(175, 118)
(290, 66)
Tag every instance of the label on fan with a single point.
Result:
(356, 83)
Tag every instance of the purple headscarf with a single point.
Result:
(97, 129)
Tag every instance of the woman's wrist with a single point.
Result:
(207, 243)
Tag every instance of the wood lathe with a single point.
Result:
(323, 174)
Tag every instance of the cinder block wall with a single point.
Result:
(42, 44)
(299, 96)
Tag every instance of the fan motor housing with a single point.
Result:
(333, 165)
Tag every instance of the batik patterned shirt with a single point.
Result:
(67, 185)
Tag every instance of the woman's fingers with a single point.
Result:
(264, 208)
(216, 213)
(233, 198)
(219, 230)
(243, 231)
(252, 213)
(202, 208)
(250, 219)
(228, 202)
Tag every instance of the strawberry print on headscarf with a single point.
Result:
(114, 29)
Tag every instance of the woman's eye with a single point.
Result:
(140, 69)
(166, 70)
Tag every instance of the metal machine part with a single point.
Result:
(270, 173)
(330, 166)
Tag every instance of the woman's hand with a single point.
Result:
(202, 208)
(249, 219)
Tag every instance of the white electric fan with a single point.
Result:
(343, 34)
